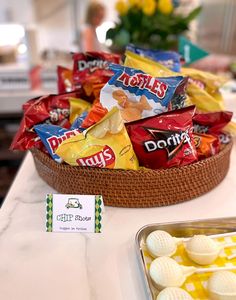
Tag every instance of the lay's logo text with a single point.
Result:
(144, 82)
(102, 159)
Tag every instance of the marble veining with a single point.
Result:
(5, 222)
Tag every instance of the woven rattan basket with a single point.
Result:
(143, 188)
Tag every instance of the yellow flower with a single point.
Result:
(137, 3)
(149, 7)
(165, 6)
(122, 7)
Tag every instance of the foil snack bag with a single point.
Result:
(139, 95)
(64, 80)
(206, 145)
(77, 107)
(202, 89)
(169, 59)
(164, 140)
(50, 109)
(104, 145)
(52, 136)
(91, 69)
(213, 123)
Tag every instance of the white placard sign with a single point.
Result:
(74, 213)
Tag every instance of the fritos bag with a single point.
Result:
(104, 145)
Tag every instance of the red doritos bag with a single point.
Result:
(91, 68)
(164, 140)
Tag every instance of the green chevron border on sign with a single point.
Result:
(98, 213)
(49, 215)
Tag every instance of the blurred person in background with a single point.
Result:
(88, 38)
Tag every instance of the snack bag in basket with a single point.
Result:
(91, 68)
(96, 113)
(201, 92)
(50, 109)
(139, 95)
(104, 145)
(213, 123)
(164, 140)
(169, 59)
(64, 80)
(77, 124)
(77, 107)
(206, 145)
(52, 136)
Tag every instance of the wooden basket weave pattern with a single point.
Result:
(142, 188)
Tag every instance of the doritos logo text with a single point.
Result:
(92, 65)
(171, 141)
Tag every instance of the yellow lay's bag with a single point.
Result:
(104, 145)
(204, 101)
(77, 107)
(205, 80)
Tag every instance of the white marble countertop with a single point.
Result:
(36, 265)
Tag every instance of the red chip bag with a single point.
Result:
(64, 80)
(53, 109)
(212, 123)
(206, 145)
(91, 68)
(96, 113)
(164, 140)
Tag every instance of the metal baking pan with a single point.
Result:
(180, 229)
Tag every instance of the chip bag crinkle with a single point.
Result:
(164, 140)
(139, 95)
(104, 145)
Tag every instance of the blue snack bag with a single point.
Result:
(52, 136)
(169, 59)
(78, 121)
(139, 95)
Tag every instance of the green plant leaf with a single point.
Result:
(193, 14)
(122, 38)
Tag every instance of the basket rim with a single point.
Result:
(36, 152)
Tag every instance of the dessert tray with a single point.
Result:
(222, 230)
